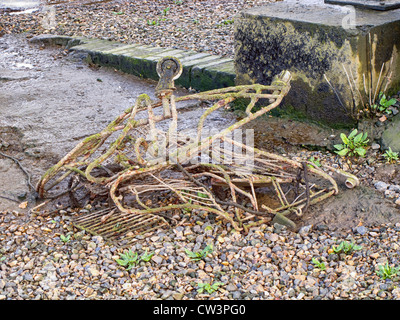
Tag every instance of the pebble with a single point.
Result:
(305, 230)
(203, 26)
(381, 186)
(362, 230)
(270, 262)
(277, 266)
(375, 146)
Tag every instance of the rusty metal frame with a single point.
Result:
(144, 172)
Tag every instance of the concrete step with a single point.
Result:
(201, 71)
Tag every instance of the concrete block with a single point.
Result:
(315, 42)
(201, 71)
(123, 49)
(98, 45)
(213, 75)
(51, 40)
(197, 61)
(195, 56)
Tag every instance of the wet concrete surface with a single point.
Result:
(50, 100)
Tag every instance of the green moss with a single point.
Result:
(265, 47)
(240, 104)
(204, 79)
(90, 138)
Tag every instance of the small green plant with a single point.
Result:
(318, 264)
(117, 226)
(146, 256)
(383, 104)
(390, 156)
(202, 195)
(2, 258)
(315, 161)
(387, 272)
(128, 259)
(186, 210)
(199, 255)
(152, 22)
(210, 288)
(118, 13)
(226, 22)
(65, 239)
(165, 11)
(353, 145)
(346, 247)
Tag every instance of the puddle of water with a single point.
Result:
(28, 6)
(19, 4)
(23, 65)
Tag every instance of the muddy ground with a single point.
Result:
(51, 99)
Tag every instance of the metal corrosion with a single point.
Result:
(147, 172)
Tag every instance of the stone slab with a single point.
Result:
(207, 77)
(201, 71)
(391, 136)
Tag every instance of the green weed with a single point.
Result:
(152, 23)
(146, 257)
(199, 255)
(165, 11)
(383, 104)
(353, 145)
(346, 247)
(130, 259)
(202, 195)
(65, 239)
(318, 264)
(210, 288)
(390, 156)
(226, 22)
(314, 161)
(387, 272)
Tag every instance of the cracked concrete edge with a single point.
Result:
(201, 71)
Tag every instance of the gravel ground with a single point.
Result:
(45, 257)
(267, 263)
(204, 26)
